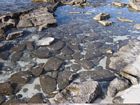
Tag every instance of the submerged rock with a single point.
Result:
(48, 84)
(2, 98)
(137, 26)
(14, 35)
(53, 64)
(124, 20)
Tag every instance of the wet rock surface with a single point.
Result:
(77, 61)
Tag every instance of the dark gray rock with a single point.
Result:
(97, 75)
(48, 84)
(16, 56)
(42, 52)
(52, 74)
(2, 98)
(57, 45)
(29, 45)
(63, 79)
(5, 55)
(53, 64)
(76, 67)
(67, 50)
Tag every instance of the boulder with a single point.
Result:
(84, 92)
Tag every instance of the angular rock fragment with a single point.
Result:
(45, 41)
(2, 98)
(102, 16)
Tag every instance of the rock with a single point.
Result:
(24, 23)
(119, 4)
(50, 1)
(105, 23)
(19, 47)
(39, 17)
(57, 45)
(117, 85)
(75, 67)
(124, 19)
(87, 64)
(13, 101)
(30, 45)
(137, 26)
(2, 35)
(97, 75)
(16, 56)
(48, 84)
(14, 35)
(38, 98)
(42, 52)
(37, 70)
(52, 74)
(53, 64)
(73, 2)
(67, 50)
(2, 98)
(130, 95)
(11, 22)
(45, 41)
(102, 16)
(134, 4)
(117, 100)
(21, 78)
(126, 61)
(6, 89)
(5, 55)
(63, 79)
(84, 92)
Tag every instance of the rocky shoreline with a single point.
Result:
(42, 62)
